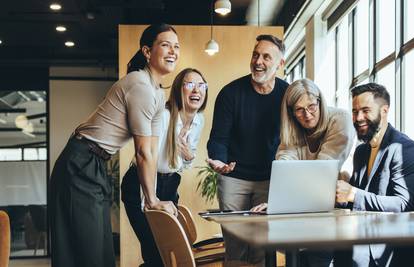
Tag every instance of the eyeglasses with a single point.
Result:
(191, 85)
(312, 108)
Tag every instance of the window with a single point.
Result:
(409, 20)
(328, 83)
(42, 152)
(385, 28)
(12, 154)
(343, 76)
(361, 28)
(409, 94)
(386, 77)
(297, 71)
(15, 154)
(355, 43)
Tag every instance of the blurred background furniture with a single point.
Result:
(39, 219)
(4, 239)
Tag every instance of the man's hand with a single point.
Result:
(220, 166)
(167, 206)
(260, 207)
(344, 192)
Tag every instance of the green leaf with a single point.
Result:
(207, 185)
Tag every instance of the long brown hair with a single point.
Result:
(175, 105)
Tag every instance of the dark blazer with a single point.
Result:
(389, 187)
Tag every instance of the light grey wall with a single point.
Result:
(71, 102)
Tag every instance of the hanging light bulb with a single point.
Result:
(222, 7)
(21, 121)
(212, 46)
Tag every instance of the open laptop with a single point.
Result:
(298, 186)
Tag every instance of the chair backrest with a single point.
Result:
(191, 229)
(39, 219)
(171, 239)
(4, 239)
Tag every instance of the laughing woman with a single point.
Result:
(80, 187)
(182, 123)
(311, 130)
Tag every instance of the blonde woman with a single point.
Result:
(182, 123)
(310, 130)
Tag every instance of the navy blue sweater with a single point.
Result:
(246, 127)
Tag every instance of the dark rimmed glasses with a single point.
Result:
(192, 85)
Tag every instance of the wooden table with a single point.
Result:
(337, 229)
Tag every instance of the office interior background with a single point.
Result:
(47, 88)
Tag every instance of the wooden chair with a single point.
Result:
(172, 241)
(187, 222)
(4, 239)
(217, 244)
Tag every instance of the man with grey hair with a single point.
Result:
(245, 136)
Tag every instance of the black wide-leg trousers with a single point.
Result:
(80, 198)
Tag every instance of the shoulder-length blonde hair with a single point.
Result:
(175, 105)
(291, 132)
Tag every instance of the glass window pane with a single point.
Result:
(42, 153)
(409, 20)
(342, 94)
(385, 28)
(386, 77)
(11, 154)
(327, 82)
(30, 154)
(409, 94)
(296, 73)
(304, 67)
(363, 82)
(361, 37)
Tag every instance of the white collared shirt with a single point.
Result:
(192, 136)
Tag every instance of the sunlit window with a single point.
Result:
(409, 20)
(10, 154)
(288, 78)
(386, 77)
(30, 154)
(361, 36)
(328, 83)
(42, 153)
(409, 94)
(297, 72)
(343, 82)
(385, 28)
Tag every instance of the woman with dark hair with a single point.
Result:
(80, 187)
(181, 123)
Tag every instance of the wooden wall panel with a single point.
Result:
(236, 44)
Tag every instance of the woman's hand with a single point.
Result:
(260, 207)
(166, 206)
(184, 148)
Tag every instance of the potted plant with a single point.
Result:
(208, 183)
